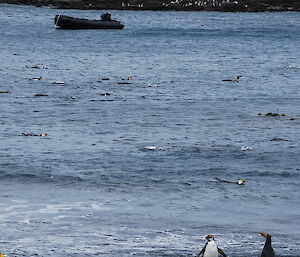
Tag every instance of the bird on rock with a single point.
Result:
(211, 249)
(267, 250)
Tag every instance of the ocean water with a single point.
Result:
(132, 172)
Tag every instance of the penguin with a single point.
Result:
(38, 78)
(267, 250)
(232, 80)
(240, 182)
(211, 249)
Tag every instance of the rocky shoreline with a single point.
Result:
(165, 5)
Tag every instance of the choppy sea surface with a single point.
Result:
(129, 169)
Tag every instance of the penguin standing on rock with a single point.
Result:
(211, 249)
(268, 250)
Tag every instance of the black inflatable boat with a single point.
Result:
(68, 22)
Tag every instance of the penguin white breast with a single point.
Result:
(211, 249)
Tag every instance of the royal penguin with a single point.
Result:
(267, 250)
(211, 249)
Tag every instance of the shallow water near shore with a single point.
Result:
(132, 172)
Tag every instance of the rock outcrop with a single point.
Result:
(177, 5)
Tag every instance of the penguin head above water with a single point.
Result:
(209, 238)
(241, 182)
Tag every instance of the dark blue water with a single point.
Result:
(94, 187)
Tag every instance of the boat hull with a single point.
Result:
(68, 22)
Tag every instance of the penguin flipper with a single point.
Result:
(221, 252)
(202, 251)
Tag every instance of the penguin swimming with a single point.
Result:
(38, 78)
(232, 80)
(267, 250)
(240, 182)
(210, 249)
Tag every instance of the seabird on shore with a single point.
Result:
(267, 250)
(211, 249)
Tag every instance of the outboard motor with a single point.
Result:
(106, 16)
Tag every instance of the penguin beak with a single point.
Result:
(209, 237)
(263, 234)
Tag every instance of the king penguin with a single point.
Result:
(268, 250)
(211, 249)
